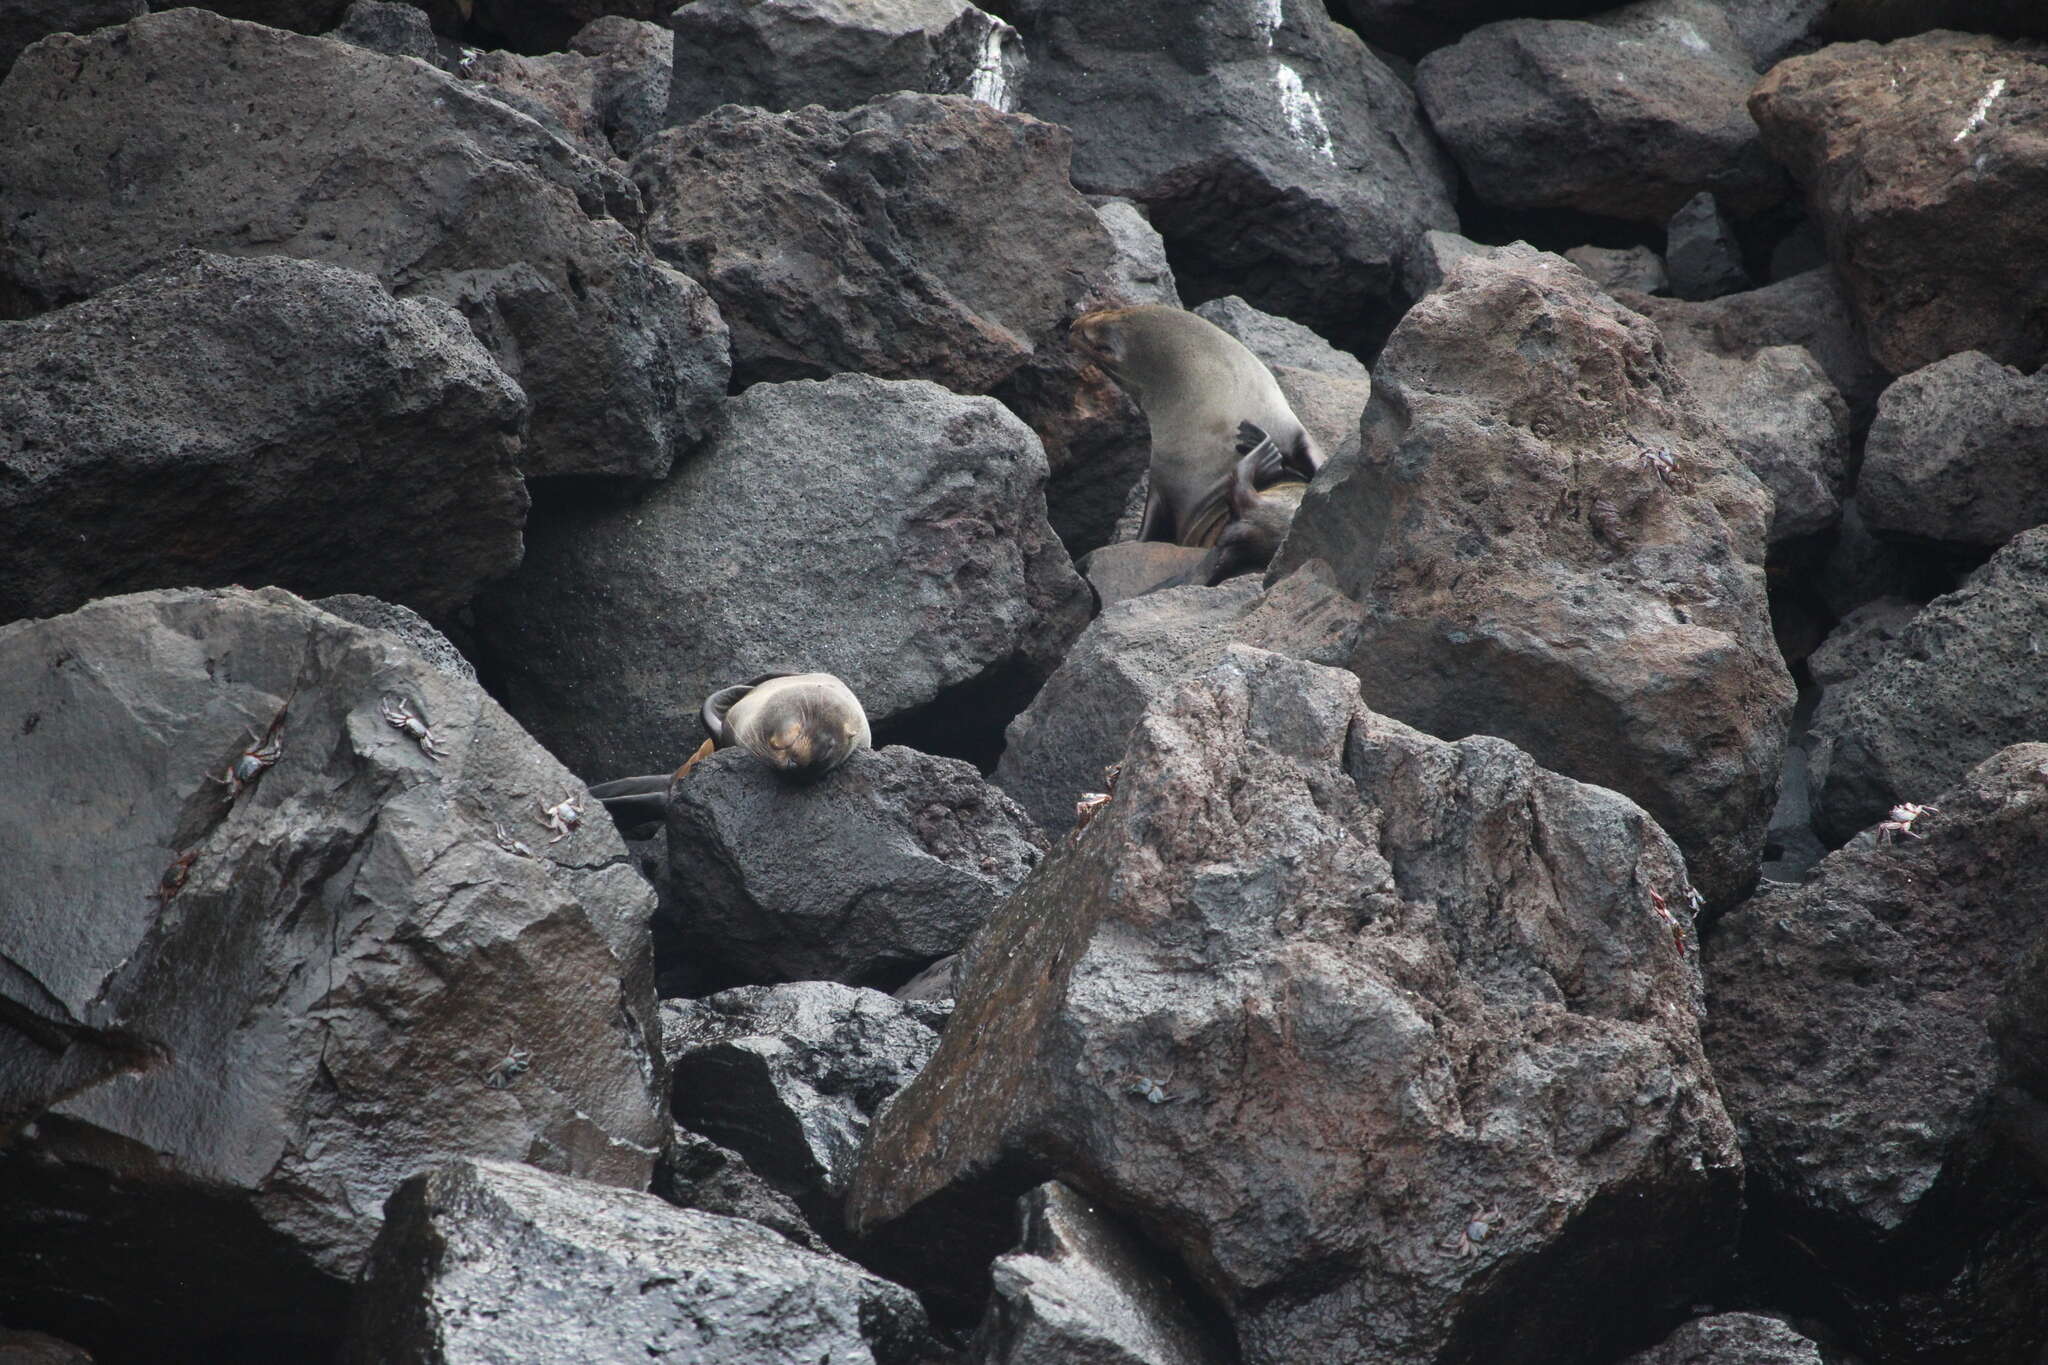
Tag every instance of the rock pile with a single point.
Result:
(1581, 901)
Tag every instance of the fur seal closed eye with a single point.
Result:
(800, 724)
(1197, 384)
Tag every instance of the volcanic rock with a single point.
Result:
(1959, 452)
(1731, 1339)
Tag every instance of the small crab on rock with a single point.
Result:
(263, 753)
(399, 715)
(1901, 821)
(1477, 1229)
(562, 817)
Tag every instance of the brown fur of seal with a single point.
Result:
(1197, 384)
(1259, 515)
(800, 724)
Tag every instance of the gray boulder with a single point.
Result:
(1556, 545)
(1862, 637)
(544, 25)
(1279, 157)
(1959, 452)
(408, 625)
(396, 30)
(866, 876)
(220, 420)
(485, 1260)
(1876, 1034)
(790, 1077)
(1731, 1339)
(1383, 1038)
(446, 192)
(1963, 680)
(891, 533)
(697, 1173)
(606, 95)
(1137, 653)
(25, 21)
(1700, 251)
(785, 54)
(243, 1012)
(1142, 272)
(1628, 115)
(1131, 568)
(1081, 1287)
(1613, 268)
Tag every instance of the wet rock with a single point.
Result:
(1080, 1287)
(1701, 253)
(1528, 572)
(1731, 1339)
(791, 1076)
(1613, 268)
(1862, 638)
(1414, 27)
(396, 30)
(891, 533)
(1280, 159)
(1807, 310)
(1138, 652)
(1628, 115)
(866, 876)
(1963, 680)
(697, 1173)
(1313, 994)
(220, 420)
(25, 21)
(1958, 453)
(785, 54)
(1867, 1030)
(1326, 387)
(485, 1260)
(241, 1018)
(1142, 272)
(1924, 161)
(447, 192)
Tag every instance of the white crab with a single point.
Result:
(1901, 821)
(562, 817)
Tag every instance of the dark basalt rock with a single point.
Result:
(231, 1022)
(1878, 1036)
(25, 21)
(484, 1260)
(1959, 452)
(1731, 1339)
(1701, 253)
(220, 420)
(697, 1173)
(245, 139)
(866, 876)
(1312, 994)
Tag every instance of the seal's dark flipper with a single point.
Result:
(1249, 435)
(1303, 458)
(715, 707)
(635, 798)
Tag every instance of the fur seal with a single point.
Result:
(800, 724)
(1263, 498)
(1196, 383)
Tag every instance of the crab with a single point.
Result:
(1662, 462)
(510, 844)
(1085, 808)
(501, 1076)
(1663, 910)
(1477, 1229)
(400, 716)
(562, 817)
(1901, 822)
(263, 753)
(173, 880)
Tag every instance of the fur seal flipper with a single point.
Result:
(1263, 496)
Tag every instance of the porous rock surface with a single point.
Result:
(1926, 161)
(24, 21)
(1959, 452)
(1314, 991)
(785, 54)
(790, 1077)
(889, 532)
(237, 1020)
(1528, 572)
(1627, 115)
(1279, 157)
(608, 94)
(487, 1260)
(1963, 680)
(865, 876)
(246, 139)
(1878, 1035)
(1081, 1287)
(379, 454)
(1731, 1339)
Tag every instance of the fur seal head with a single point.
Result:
(800, 724)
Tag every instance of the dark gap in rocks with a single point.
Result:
(1885, 20)
(965, 722)
(1199, 279)
(1557, 230)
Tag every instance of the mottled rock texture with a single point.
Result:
(1959, 452)
(1731, 1339)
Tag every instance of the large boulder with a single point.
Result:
(889, 532)
(607, 94)
(489, 1261)
(867, 877)
(1959, 452)
(1877, 1034)
(1555, 545)
(1280, 158)
(785, 54)
(1628, 115)
(240, 1013)
(1926, 162)
(1386, 1040)
(186, 128)
(1963, 680)
(220, 420)
(1137, 652)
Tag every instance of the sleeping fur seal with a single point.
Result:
(1196, 383)
(800, 724)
